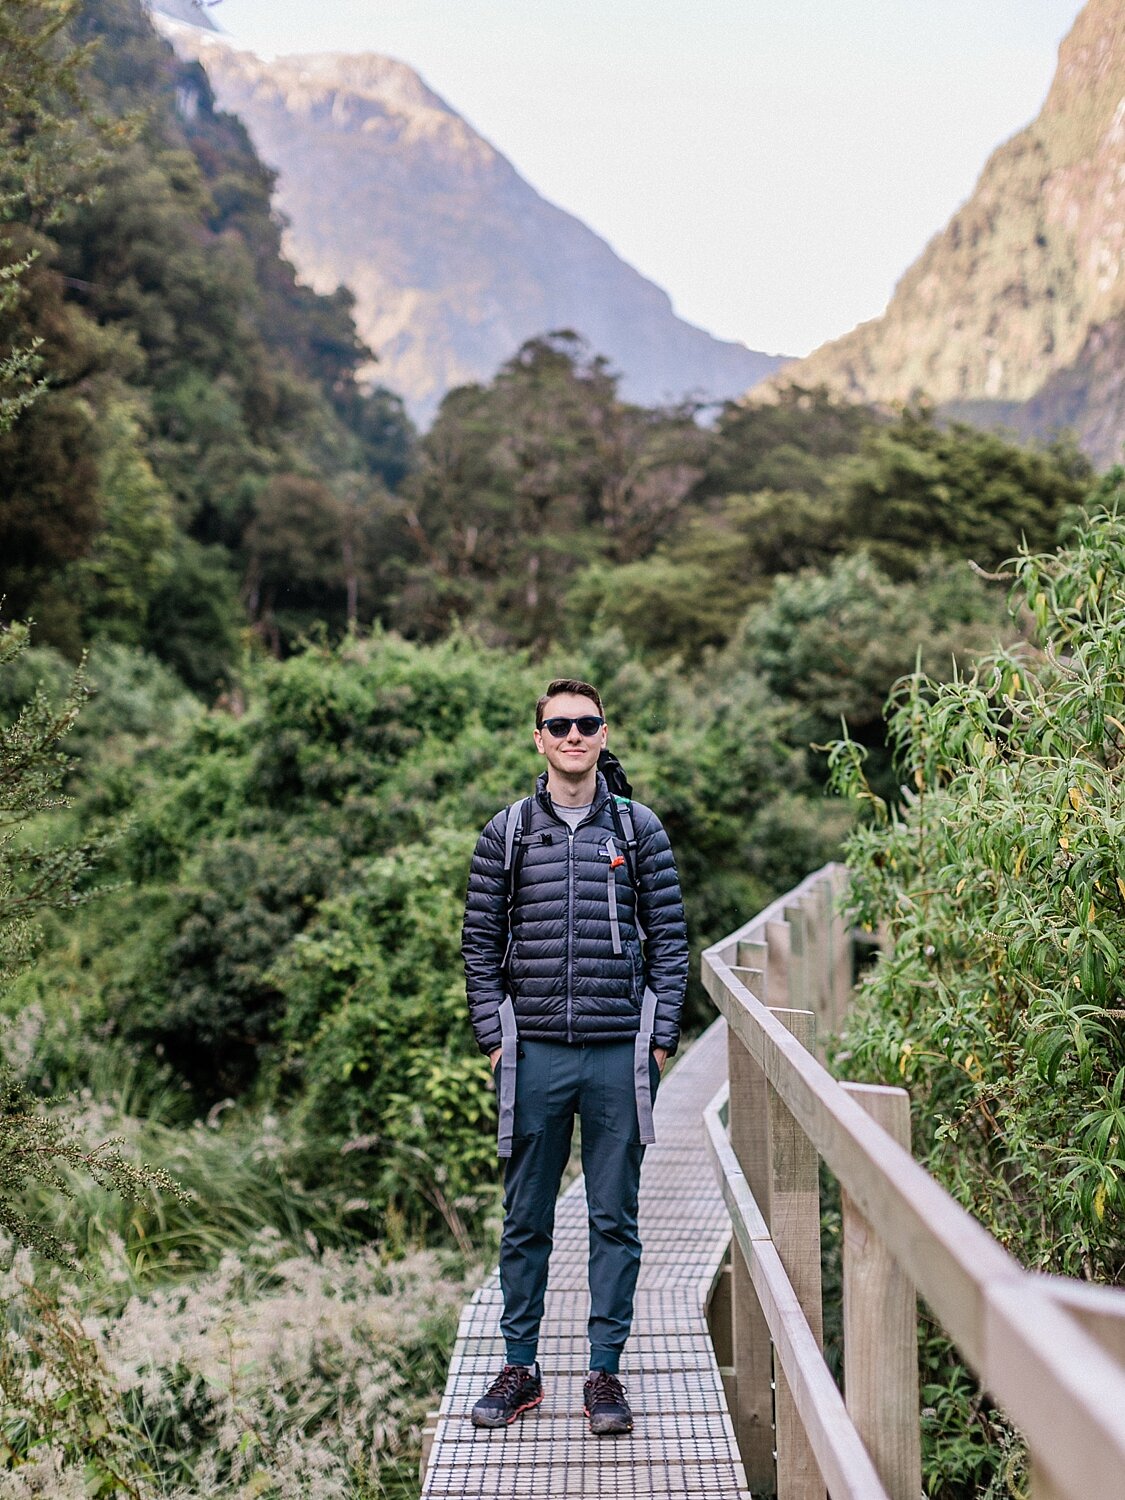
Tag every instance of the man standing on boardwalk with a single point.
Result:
(576, 964)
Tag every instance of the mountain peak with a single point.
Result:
(367, 75)
(453, 258)
(1086, 88)
(186, 12)
(354, 79)
(363, 95)
(1006, 295)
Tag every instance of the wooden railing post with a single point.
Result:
(881, 1326)
(798, 993)
(817, 906)
(842, 957)
(794, 1224)
(777, 965)
(753, 1356)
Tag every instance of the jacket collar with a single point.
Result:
(543, 797)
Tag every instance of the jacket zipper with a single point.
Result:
(570, 832)
(569, 932)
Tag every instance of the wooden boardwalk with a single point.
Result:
(683, 1442)
(1049, 1350)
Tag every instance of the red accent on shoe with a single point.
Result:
(519, 1411)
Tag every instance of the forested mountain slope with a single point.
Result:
(201, 435)
(453, 258)
(1015, 300)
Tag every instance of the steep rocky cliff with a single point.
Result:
(1022, 288)
(453, 258)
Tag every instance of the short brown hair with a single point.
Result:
(567, 685)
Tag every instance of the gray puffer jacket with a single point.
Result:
(566, 981)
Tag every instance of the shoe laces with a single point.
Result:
(605, 1386)
(509, 1380)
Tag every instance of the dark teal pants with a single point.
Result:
(554, 1083)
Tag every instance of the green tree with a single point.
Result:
(48, 510)
(141, 266)
(692, 592)
(19, 367)
(130, 555)
(195, 617)
(919, 487)
(786, 445)
(378, 418)
(521, 481)
(295, 564)
(906, 494)
(831, 644)
(49, 142)
(48, 139)
(33, 770)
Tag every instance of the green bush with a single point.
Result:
(1001, 887)
(380, 1059)
(291, 876)
(830, 644)
(208, 1001)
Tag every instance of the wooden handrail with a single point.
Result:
(840, 1455)
(1036, 1342)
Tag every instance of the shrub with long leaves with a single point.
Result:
(998, 884)
(1001, 886)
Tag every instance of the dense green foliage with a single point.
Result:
(288, 920)
(193, 387)
(33, 769)
(1002, 891)
(907, 494)
(202, 458)
(521, 482)
(38, 877)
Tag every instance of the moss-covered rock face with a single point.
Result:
(1005, 296)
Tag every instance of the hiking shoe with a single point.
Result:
(515, 1390)
(603, 1399)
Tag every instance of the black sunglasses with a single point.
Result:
(588, 726)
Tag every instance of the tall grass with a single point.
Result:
(275, 1375)
(244, 1340)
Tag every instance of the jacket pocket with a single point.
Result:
(636, 977)
(516, 962)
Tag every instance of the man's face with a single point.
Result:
(574, 753)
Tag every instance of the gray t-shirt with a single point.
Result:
(571, 815)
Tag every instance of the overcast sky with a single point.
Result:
(775, 165)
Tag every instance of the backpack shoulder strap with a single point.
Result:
(622, 810)
(516, 829)
(512, 828)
